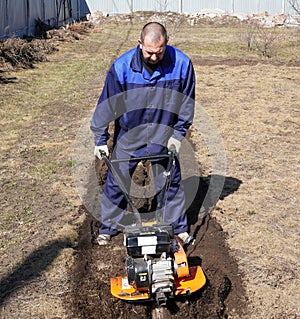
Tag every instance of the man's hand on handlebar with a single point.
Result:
(100, 151)
(174, 143)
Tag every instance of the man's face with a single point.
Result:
(153, 52)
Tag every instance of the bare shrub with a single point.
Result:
(261, 39)
(175, 23)
(16, 53)
(247, 35)
(265, 41)
(162, 5)
(21, 53)
(295, 4)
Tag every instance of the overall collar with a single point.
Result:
(136, 63)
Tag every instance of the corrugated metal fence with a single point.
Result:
(18, 17)
(188, 6)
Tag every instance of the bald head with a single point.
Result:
(155, 32)
(153, 42)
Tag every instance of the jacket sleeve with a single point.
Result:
(186, 111)
(105, 111)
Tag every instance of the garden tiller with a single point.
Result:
(157, 266)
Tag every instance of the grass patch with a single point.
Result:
(44, 170)
(12, 220)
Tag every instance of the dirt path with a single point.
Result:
(249, 243)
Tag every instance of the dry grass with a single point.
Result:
(257, 112)
(255, 108)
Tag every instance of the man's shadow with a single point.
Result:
(203, 193)
(33, 267)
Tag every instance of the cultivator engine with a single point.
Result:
(157, 267)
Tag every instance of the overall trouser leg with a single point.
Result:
(114, 204)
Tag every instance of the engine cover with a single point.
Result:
(138, 273)
(154, 276)
(152, 243)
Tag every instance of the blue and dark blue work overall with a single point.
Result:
(147, 109)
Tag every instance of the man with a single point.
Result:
(149, 94)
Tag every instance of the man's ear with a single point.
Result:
(140, 42)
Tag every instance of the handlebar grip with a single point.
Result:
(103, 153)
(172, 148)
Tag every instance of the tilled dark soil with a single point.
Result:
(91, 291)
(223, 292)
